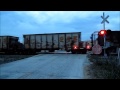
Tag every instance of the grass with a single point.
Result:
(104, 68)
(10, 58)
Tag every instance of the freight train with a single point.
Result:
(36, 42)
(10, 44)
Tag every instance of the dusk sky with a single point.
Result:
(17, 23)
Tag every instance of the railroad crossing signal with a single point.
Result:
(102, 32)
(103, 22)
(104, 18)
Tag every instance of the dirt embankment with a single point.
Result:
(101, 68)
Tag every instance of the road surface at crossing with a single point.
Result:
(45, 66)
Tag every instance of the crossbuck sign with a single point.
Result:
(104, 20)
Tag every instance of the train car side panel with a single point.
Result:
(4, 40)
(0, 42)
(32, 41)
(75, 38)
(27, 41)
(43, 41)
(55, 41)
(68, 41)
(62, 41)
(49, 41)
(38, 42)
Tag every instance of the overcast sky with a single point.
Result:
(17, 23)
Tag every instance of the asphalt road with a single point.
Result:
(45, 66)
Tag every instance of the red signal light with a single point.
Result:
(102, 32)
(88, 47)
(75, 47)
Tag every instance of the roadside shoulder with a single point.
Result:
(87, 69)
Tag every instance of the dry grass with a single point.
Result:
(105, 68)
(10, 58)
